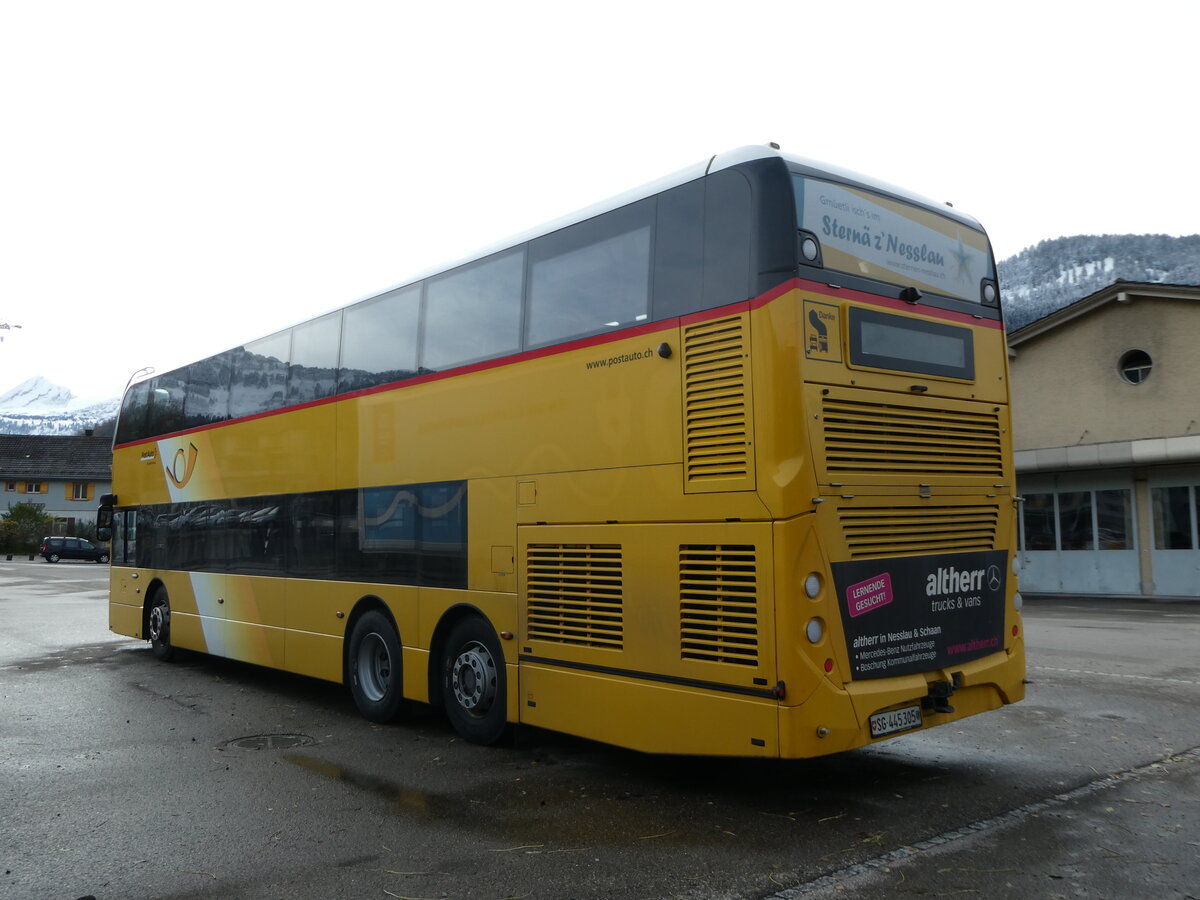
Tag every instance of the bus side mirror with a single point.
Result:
(104, 517)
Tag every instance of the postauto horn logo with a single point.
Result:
(183, 464)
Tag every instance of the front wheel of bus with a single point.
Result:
(473, 682)
(374, 670)
(158, 625)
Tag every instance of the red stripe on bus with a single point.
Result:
(598, 340)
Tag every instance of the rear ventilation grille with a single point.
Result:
(716, 406)
(718, 603)
(888, 438)
(575, 594)
(894, 530)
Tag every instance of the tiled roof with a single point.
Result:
(46, 456)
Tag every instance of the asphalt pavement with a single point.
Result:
(128, 778)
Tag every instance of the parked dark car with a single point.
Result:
(56, 548)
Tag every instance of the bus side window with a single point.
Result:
(312, 374)
(679, 251)
(260, 372)
(134, 409)
(166, 403)
(379, 340)
(591, 277)
(474, 312)
(728, 229)
(207, 398)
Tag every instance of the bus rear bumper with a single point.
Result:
(834, 719)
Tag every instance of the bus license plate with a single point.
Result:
(895, 720)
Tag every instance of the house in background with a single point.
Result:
(65, 475)
(1106, 425)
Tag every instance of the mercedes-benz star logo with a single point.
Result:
(993, 577)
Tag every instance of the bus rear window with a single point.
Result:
(884, 341)
(873, 236)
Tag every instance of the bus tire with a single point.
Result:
(473, 682)
(375, 669)
(158, 624)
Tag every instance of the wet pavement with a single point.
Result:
(126, 777)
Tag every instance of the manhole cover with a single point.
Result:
(269, 742)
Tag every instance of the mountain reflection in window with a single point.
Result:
(379, 340)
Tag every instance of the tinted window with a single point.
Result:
(134, 410)
(399, 534)
(313, 543)
(207, 398)
(379, 340)
(474, 312)
(166, 402)
(727, 233)
(591, 277)
(254, 535)
(119, 545)
(679, 251)
(313, 370)
(415, 534)
(260, 372)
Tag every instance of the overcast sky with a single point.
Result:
(179, 178)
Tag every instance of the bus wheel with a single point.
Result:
(374, 668)
(473, 683)
(159, 625)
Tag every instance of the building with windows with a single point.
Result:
(65, 475)
(1106, 425)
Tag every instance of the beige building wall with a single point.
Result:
(1067, 390)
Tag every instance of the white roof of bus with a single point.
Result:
(691, 173)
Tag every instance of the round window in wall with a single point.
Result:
(1135, 366)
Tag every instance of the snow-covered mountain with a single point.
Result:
(38, 406)
(1044, 278)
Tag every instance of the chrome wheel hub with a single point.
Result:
(473, 678)
(159, 617)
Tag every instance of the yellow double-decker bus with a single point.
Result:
(721, 466)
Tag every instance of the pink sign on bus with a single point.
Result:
(870, 594)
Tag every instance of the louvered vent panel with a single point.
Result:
(718, 605)
(716, 406)
(575, 594)
(895, 530)
(885, 438)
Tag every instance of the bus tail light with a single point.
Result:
(814, 631)
(812, 586)
(1018, 601)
